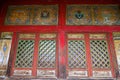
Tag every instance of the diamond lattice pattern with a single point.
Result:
(99, 53)
(24, 53)
(76, 54)
(47, 51)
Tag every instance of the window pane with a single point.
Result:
(24, 54)
(47, 51)
(99, 53)
(76, 54)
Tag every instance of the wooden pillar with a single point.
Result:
(62, 55)
(12, 55)
(88, 55)
(113, 58)
(35, 56)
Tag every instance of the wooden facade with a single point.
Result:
(54, 40)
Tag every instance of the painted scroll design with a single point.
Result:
(32, 15)
(5, 46)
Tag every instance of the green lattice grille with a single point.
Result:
(47, 52)
(99, 53)
(76, 54)
(24, 56)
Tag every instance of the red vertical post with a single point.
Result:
(62, 13)
(62, 55)
(113, 57)
(13, 53)
(88, 55)
(35, 55)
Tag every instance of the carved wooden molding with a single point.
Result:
(46, 73)
(78, 73)
(22, 73)
(102, 74)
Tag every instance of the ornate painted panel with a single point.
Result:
(45, 15)
(6, 35)
(106, 15)
(5, 46)
(18, 15)
(32, 15)
(79, 15)
(93, 15)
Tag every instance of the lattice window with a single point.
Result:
(76, 54)
(47, 52)
(99, 53)
(24, 54)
